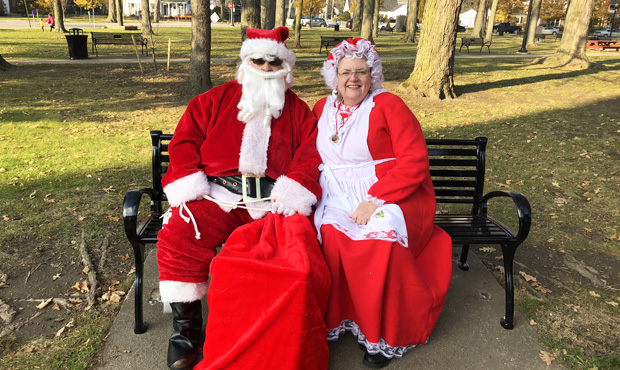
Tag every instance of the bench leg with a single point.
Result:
(139, 325)
(463, 260)
(508, 252)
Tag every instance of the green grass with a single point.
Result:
(75, 138)
(34, 44)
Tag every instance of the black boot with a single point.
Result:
(377, 361)
(185, 340)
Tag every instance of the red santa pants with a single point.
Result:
(182, 257)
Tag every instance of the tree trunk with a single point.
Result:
(491, 21)
(412, 20)
(156, 14)
(267, 14)
(250, 16)
(280, 14)
(290, 8)
(532, 24)
(480, 22)
(146, 19)
(356, 24)
(200, 59)
(298, 24)
(369, 11)
(375, 20)
(59, 17)
(119, 12)
(433, 71)
(572, 50)
(111, 11)
(4, 65)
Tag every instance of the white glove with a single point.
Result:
(281, 208)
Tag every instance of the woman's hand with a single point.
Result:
(363, 212)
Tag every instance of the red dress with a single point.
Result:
(389, 278)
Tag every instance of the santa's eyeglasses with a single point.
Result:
(274, 63)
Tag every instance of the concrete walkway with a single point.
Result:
(467, 336)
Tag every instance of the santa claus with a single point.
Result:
(241, 149)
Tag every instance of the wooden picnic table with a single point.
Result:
(601, 45)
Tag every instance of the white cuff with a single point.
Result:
(187, 188)
(293, 195)
(374, 200)
(178, 291)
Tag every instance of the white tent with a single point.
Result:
(468, 18)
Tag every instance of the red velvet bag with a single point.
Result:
(267, 298)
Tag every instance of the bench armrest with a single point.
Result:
(131, 203)
(524, 211)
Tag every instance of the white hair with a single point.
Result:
(353, 48)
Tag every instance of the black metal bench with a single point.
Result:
(473, 41)
(107, 38)
(457, 169)
(329, 41)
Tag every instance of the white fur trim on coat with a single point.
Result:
(187, 188)
(259, 48)
(293, 195)
(178, 291)
(253, 155)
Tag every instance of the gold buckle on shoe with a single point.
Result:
(244, 186)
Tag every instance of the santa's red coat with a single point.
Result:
(208, 142)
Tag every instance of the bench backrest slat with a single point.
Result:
(457, 169)
(456, 166)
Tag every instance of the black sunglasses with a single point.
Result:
(274, 63)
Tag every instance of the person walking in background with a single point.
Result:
(390, 265)
(50, 21)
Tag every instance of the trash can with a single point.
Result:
(78, 44)
(336, 27)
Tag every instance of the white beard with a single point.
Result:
(262, 93)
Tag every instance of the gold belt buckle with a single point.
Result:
(246, 197)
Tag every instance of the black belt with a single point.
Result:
(235, 184)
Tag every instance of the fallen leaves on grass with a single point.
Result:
(113, 218)
(56, 277)
(487, 249)
(109, 189)
(125, 257)
(527, 277)
(594, 294)
(612, 303)
(3, 279)
(547, 357)
(68, 325)
(81, 286)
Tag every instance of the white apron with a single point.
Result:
(348, 172)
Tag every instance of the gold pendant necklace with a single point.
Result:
(335, 139)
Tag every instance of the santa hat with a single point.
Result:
(267, 43)
(353, 48)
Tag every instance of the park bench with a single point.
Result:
(329, 41)
(106, 38)
(457, 169)
(474, 41)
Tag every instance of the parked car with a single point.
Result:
(318, 22)
(607, 32)
(550, 31)
(460, 28)
(305, 21)
(506, 27)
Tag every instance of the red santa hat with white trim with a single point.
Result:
(267, 44)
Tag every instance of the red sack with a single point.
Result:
(267, 297)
